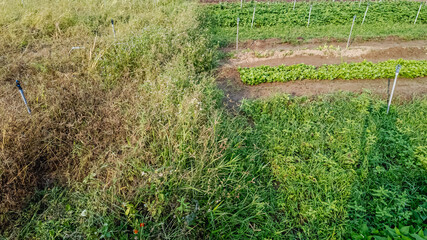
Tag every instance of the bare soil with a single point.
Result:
(272, 52)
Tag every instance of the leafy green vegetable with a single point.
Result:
(347, 71)
(338, 13)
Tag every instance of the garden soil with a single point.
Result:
(273, 53)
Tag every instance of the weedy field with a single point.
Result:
(129, 136)
(344, 169)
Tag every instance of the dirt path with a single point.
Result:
(278, 44)
(272, 52)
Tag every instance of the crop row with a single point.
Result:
(322, 13)
(346, 71)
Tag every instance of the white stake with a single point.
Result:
(23, 96)
(364, 16)
(112, 24)
(309, 14)
(398, 67)
(348, 42)
(75, 48)
(241, 4)
(237, 36)
(253, 17)
(360, 2)
(295, 1)
(418, 13)
(25, 101)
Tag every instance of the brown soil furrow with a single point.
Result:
(272, 53)
(235, 90)
(269, 52)
(278, 44)
(319, 57)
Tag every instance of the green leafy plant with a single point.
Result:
(328, 20)
(347, 71)
(343, 168)
(323, 13)
(402, 232)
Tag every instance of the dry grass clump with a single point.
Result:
(95, 110)
(75, 122)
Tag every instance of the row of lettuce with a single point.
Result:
(322, 13)
(346, 71)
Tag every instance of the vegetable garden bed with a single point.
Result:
(330, 20)
(346, 71)
(323, 13)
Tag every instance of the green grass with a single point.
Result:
(127, 131)
(342, 164)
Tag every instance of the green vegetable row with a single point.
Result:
(347, 71)
(322, 13)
